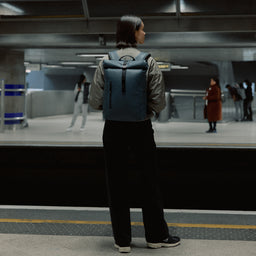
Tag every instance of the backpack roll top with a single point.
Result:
(125, 91)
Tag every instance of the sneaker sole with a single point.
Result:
(160, 245)
(123, 249)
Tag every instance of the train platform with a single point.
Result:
(75, 231)
(51, 131)
(46, 154)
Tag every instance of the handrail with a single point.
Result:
(13, 90)
(187, 91)
(191, 93)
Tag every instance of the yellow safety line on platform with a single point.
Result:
(182, 225)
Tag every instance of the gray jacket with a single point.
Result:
(156, 88)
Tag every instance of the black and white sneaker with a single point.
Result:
(123, 249)
(171, 241)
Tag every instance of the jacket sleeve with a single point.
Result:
(156, 88)
(97, 88)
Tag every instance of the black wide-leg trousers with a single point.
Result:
(125, 142)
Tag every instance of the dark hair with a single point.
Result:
(125, 32)
(248, 83)
(216, 79)
(241, 85)
(81, 79)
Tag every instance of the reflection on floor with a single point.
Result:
(52, 131)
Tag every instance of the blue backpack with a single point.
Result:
(125, 90)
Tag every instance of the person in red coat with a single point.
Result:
(214, 105)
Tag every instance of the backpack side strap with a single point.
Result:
(113, 55)
(143, 56)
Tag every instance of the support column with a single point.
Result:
(226, 73)
(12, 71)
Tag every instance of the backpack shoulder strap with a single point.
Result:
(143, 56)
(113, 55)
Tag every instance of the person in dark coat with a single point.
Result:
(248, 101)
(214, 105)
(238, 101)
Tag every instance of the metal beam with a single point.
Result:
(11, 1)
(57, 26)
(86, 10)
(177, 2)
(202, 24)
(108, 26)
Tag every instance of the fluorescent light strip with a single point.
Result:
(12, 8)
(51, 66)
(76, 63)
(179, 67)
(92, 55)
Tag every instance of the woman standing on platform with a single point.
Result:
(213, 105)
(121, 139)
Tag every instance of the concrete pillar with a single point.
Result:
(12, 71)
(12, 67)
(226, 73)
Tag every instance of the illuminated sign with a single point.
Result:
(164, 66)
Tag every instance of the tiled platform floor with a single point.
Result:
(31, 231)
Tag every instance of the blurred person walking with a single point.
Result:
(124, 138)
(235, 93)
(241, 91)
(81, 93)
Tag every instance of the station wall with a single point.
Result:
(57, 97)
(51, 93)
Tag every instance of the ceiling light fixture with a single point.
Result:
(51, 66)
(12, 8)
(76, 63)
(179, 67)
(91, 55)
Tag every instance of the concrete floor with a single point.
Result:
(52, 131)
(18, 240)
(38, 245)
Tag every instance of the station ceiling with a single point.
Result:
(178, 31)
